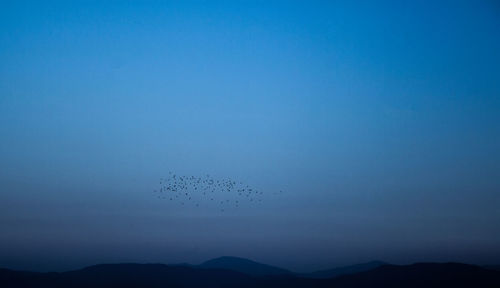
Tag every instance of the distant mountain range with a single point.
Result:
(258, 269)
(238, 272)
(330, 273)
(244, 266)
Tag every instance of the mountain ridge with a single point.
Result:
(343, 270)
(244, 265)
(160, 275)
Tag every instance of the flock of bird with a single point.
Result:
(191, 190)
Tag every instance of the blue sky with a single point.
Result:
(380, 121)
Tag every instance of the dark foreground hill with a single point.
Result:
(493, 267)
(352, 269)
(421, 275)
(158, 275)
(244, 266)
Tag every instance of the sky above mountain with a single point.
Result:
(379, 121)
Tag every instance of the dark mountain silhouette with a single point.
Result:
(493, 267)
(159, 275)
(330, 273)
(244, 266)
(146, 275)
(421, 275)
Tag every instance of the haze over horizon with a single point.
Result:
(379, 122)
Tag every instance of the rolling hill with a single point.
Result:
(159, 275)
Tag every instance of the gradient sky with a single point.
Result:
(379, 120)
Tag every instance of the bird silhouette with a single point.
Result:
(193, 189)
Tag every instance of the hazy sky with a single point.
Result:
(380, 121)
